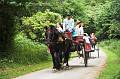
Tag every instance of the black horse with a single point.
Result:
(53, 43)
(59, 47)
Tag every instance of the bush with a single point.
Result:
(112, 70)
(33, 26)
(25, 51)
(113, 45)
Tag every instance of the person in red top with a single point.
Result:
(93, 39)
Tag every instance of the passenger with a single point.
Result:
(87, 43)
(93, 37)
(59, 27)
(82, 29)
(79, 31)
(77, 28)
(93, 40)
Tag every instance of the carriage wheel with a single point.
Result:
(82, 51)
(98, 50)
(86, 56)
(79, 50)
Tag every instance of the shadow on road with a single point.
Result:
(81, 66)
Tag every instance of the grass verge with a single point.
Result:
(112, 70)
(15, 70)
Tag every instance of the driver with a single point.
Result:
(68, 23)
(68, 26)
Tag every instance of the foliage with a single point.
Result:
(105, 13)
(31, 16)
(9, 9)
(27, 52)
(6, 29)
(105, 19)
(26, 56)
(33, 26)
(63, 7)
(111, 47)
(115, 14)
(114, 31)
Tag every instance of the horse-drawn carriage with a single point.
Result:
(61, 44)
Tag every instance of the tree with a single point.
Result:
(33, 26)
(9, 10)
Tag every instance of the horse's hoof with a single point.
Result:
(67, 67)
(55, 70)
(58, 69)
(62, 68)
(70, 67)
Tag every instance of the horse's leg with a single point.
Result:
(61, 53)
(65, 52)
(68, 46)
(53, 59)
(61, 56)
(66, 57)
(68, 52)
(61, 60)
(57, 60)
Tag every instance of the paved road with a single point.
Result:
(78, 71)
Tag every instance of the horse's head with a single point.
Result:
(51, 34)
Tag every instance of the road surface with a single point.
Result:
(78, 71)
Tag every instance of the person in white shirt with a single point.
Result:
(68, 24)
(76, 31)
(79, 29)
(86, 38)
(88, 46)
(79, 32)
